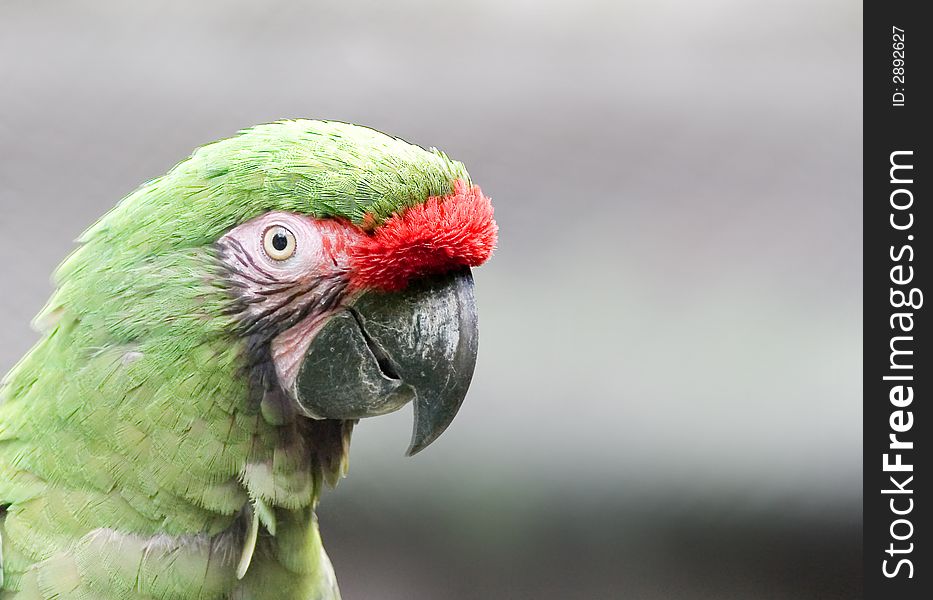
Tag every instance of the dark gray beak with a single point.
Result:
(391, 348)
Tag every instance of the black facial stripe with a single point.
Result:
(325, 295)
(242, 255)
(274, 312)
(238, 273)
(248, 278)
(285, 287)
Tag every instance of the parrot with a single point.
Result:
(207, 350)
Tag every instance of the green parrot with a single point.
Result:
(208, 349)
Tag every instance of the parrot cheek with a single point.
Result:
(390, 348)
(289, 347)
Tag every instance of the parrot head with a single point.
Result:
(339, 258)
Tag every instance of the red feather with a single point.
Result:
(443, 234)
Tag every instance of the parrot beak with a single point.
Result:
(389, 348)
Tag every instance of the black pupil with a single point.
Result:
(280, 241)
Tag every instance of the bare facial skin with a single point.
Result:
(289, 272)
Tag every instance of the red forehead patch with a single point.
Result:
(444, 233)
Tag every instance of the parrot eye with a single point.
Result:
(279, 243)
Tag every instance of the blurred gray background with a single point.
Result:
(667, 400)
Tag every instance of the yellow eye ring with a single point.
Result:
(279, 243)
